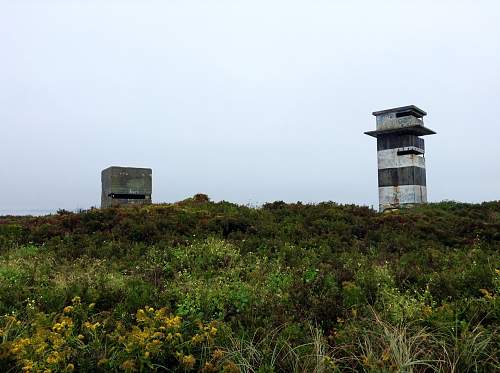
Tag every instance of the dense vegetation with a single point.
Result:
(215, 287)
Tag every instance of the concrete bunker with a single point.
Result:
(125, 186)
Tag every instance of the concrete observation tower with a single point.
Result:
(400, 154)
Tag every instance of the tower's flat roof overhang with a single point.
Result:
(415, 130)
(410, 108)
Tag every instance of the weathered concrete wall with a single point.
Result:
(387, 122)
(390, 159)
(391, 197)
(401, 171)
(396, 141)
(401, 176)
(126, 185)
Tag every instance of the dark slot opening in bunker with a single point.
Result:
(405, 114)
(127, 196)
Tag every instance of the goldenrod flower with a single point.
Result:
(53, 358)
(41, 348)
(486, 294)
(218, 354)
(128, 364)
(158, 335)
(188, 361)
(386, 355)
(213, 330)
(160, 313)
(174, 322)
(28, 366)
(19, 345)
(208, 367)
(231, 367)
(76, 300)
(141, 315)
(57, 327)
(197, 338)
(91, 326)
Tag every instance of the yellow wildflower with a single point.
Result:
(76, 300)
(160, 313)
(158, 335)
(146, 354)
(197, 338)
(365, 361)
(66, 321)
(218, 354)
(497, 271)
(208, 367)
(141, 315)
(231, 367)
(486, 294)
(426, 310)
(174, 322)
(57, 327)
(53, 358)
(20, 344)
(327, 360)
(213, 330)
(102, 362)
(80, 337)
(128, 365)
(68, 309)
(41, 348)
(91, 306)
(70, 367)
(188, 361)
(386, 355)
(91, 326)
(28, 366)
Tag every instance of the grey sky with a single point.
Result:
(248, 101)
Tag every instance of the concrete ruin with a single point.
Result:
(125, 186)
(400, 154)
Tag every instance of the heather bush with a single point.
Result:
(281, 288)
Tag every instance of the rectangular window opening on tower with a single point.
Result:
(411, 150)
(405, 114)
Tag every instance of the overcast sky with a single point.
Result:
(246, 101)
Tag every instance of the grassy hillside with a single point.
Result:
(202, 286)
